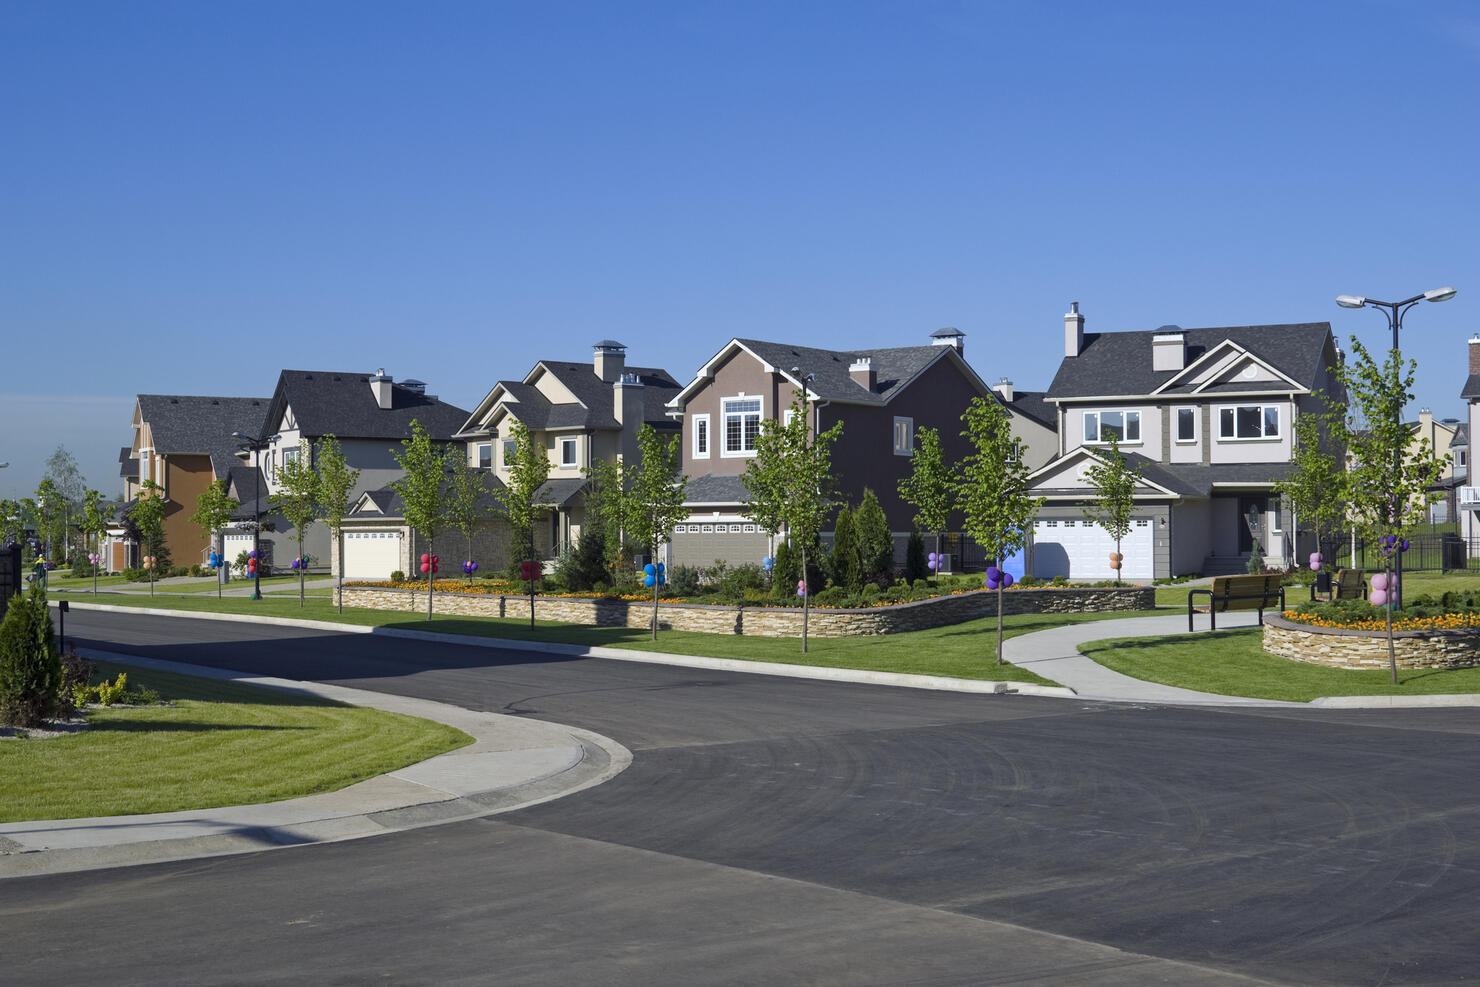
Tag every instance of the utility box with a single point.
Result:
(1452, 554)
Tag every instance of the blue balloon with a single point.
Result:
(662, 579)
(767, 563)
(649, 570)
(648, 580)
(660, 567)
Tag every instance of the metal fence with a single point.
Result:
(1426, 553)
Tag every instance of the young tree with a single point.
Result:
(297, 500)
(519, 497)
(1114, 483)
(875, 543)
(93, 525)
(49, 508)
(213, 512)
(1387, 485)
(789, 483)
(465, 500)
(12, 521)
(657, 496)
(336, 484)
(992, 488)
(67, 480)
(30, 666)
(147, 515)
(914, 559)
(608, 505)
(423, 504)
(930, 487)
(847, 568)
(1316, 487)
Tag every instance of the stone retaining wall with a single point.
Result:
(761, 621)
(1342, 648)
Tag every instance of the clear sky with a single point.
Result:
(196, 195)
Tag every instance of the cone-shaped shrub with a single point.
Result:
(30, 665)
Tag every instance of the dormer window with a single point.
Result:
(1102, 426)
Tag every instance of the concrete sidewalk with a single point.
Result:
(513, 762)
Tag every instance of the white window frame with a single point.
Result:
(290, 455)
(699, 425)
(571, 443)
(725, 416)
(1177, 425)
(478, 449)
(1264, 410)
(1125, 420)
(508, 449)
(904, 436)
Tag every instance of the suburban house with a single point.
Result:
(184, 444)
(1446, 437)
(1207, 415)
(369, 415)
(581, 414)
(1468, 499)
(880, 395)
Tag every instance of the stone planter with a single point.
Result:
(1341, 648)
(760, 621)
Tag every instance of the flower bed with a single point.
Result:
(1437, 644)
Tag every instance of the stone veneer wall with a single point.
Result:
(1342, 648)
(762, 621)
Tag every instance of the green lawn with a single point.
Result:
(959, 651)
(218, 744)
(54, 581)
(1232, 663)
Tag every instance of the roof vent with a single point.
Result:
(950, 336)
(412, 384)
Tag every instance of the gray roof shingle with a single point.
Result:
(712, 488)
(893, 367)
(1032, 405)
(341, 403)
(194, 425)
(1471, 388)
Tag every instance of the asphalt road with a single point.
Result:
(783, 831)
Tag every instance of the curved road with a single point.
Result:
(784, 831)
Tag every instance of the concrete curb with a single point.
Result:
(513, 763)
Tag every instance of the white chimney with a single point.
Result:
(609, 360)
(863, 373)
(950, 336)
(1168, 349)
(1073, 331)
(1004, 389)
(380, 386)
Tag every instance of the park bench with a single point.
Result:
(1347, 584)
(1258, 592)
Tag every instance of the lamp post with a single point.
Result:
(256, 445)
(1394, 311)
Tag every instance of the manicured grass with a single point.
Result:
(960, 650)
(1233, 663)
(54, 581)
(219, 743)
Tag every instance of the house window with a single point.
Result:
(485, 455)
(1186, 424)
(742, 425)
(1123, 426)
(568, 452)
(290, 455)
(904, 436)
(701, 436)
(1249, 421)
(1459, 457)
(511, 450)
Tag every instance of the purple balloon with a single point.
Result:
(992, 583)
(1006, 580)
(994, 573)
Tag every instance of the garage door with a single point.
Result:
(1080, 550)
(371, 554)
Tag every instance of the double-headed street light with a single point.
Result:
(1395, 312)
(256, 445)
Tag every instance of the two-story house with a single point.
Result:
(368, 414)
(1468, 499)
(1447, 439)
(182, 443)
(880, 395)
(1207, 415)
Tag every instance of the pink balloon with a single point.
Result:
(426, 567)
(1379, 581)
(1315, 566)
(1315, 559)
(1378, 597)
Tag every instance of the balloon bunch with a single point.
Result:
(1115, 559)
(1383, 585)
(301, 562)
(214, 560)
(1391, 545)
(148, 562)
(470, 567)
(429, 562)
(252, 563)
(933, 561)
(1316, 558)
(653, 575)
(997, 578)
(768, 563)
(801, 587)
(94, 558)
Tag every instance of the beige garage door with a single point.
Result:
(371, 554)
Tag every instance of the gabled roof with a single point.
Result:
(1034, 406)
(194, 425)
(1461, 435)
(894, 369)
(341, 403)
(128, 467)
(243, 484)
(385, 502)
(1119, 363)
(1471, 390)
(1160, 480)
(593, 407)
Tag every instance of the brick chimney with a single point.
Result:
(609, 360)
(863, 373)
(1475, 354)
(380, 386)
(1073, 331)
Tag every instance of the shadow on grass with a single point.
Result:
(179, 726)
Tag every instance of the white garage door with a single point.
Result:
(1080, 550)
(371, 554)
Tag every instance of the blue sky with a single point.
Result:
(194, 196)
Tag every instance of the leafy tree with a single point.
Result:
(606, 511)
(914, 559)
(424, 507)
(789, 482)
(147, 515)
(520, 495)
(875, 543)
(930, 488)
(1316, 485)
(67, 480)
(336, 484)
(1114, 483)
(656, 497)
(49, 508)
(785, 571)
(465, 500)
(297, 500)
(93, 524)
(12, 521)
(30, 665)
(214, 510)
(992, 488)
(847, 569)
(1388, 482)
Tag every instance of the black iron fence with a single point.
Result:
(1426, 553)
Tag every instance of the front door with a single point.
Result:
(1251, 514)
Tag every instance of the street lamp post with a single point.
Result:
(1394, 311)
(256, 445)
